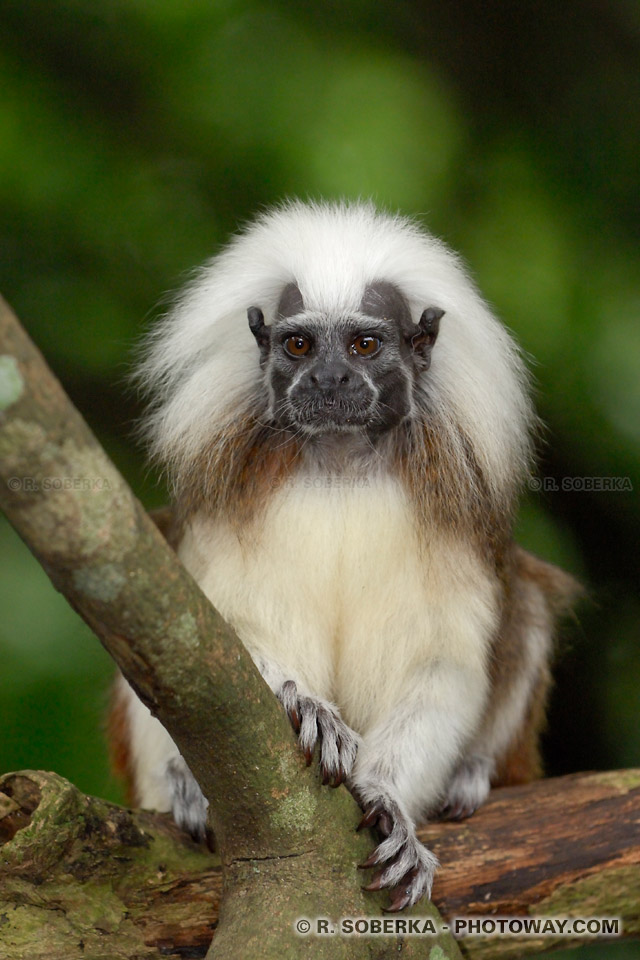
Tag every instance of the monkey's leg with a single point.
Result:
(468, 788)
(403, 767)
(505, 750)
(156, 775)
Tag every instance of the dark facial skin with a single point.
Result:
(347, 374)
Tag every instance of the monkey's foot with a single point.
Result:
(407, 867)
(188, 803)
(467, 790)
(318, 720)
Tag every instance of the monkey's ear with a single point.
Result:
(259, 329)
(426, 333)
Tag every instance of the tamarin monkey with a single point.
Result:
(346, 428)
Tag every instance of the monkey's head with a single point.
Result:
(355, 372)
(344, 305)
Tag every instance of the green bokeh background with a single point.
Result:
(135, 136)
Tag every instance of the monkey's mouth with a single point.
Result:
(332, 415)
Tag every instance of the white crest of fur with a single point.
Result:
(202, 361)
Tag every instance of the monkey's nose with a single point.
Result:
(329, 376)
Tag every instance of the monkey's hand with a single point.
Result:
(406, 866)
(316, 720)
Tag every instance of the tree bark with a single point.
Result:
(288, 846)
(97, 881)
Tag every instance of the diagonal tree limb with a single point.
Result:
(287, 845)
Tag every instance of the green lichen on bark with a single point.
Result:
(623, 780)
(71, 879)
(297, 812)
(584, 896)
(11, 382)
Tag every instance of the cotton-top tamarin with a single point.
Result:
(346, 428)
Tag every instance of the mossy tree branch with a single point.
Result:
(95, 880)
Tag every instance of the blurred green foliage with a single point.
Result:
(135, 136)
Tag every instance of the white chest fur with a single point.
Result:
(334, 585)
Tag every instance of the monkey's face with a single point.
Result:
(352, 373)
(337, 376)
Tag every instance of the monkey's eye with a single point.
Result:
(365, 346)
(297, 345)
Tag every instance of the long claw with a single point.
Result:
(369, 818)
(376, 883)
(295, 720)
(385, 824)
(371, 861)
(397, 904)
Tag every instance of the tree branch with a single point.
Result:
(103, 881)
(287, 845)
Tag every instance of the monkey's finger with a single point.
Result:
(288, 696)
(456, 811)
(308, 735)
(347, 750)
(327, 724)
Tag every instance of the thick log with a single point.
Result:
(82, 879)
(564, 847)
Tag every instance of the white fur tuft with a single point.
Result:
(201, 365)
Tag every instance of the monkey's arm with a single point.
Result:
(404, 764)
(460, 729)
